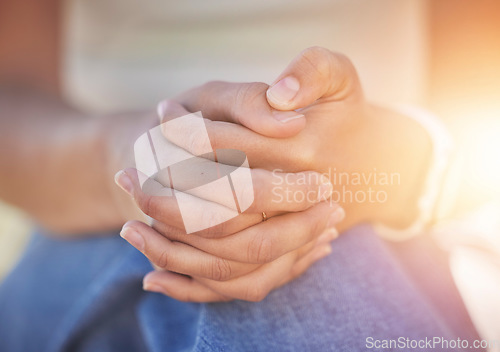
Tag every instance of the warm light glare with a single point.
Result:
(476, 134)
(478, 282)
(484, 155)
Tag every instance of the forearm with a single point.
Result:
(50, 156)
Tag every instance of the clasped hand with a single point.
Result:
(312, 118)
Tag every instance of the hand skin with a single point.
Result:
(341, 132)
(243, 258)
(361, 137)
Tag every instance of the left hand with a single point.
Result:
(333, 130)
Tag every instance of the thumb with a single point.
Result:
(241, 103)
(315, 73)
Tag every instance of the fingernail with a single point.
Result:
(124, 182)
(325, 189)
(147, 286)
(337, 216)
(284, 91)
(286, 116)
(133, 237)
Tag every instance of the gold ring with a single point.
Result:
(264, 216)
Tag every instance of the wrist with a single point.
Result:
(405, 150)
(116, 135)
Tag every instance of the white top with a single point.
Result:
(123, 54)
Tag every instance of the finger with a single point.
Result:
(169, 109)
(181, 288)
(290, 154)
(315, 73)
(204, 216)
(256, 285)
(266, 191)
(179, 257)
(222, 135)
(221, 230)
(241, 103)
(267, 241)
(277, 191)
(188, 289)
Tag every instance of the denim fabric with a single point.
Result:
(86, 295)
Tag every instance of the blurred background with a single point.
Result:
(442, 55)
(464, 90)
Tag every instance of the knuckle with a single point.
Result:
(186, 297)
(150, 206)
(210, 219)
(311, 228)
(204, 92)
(204, 89)
(208, 85)
(319, 59)
(213, 232)
(257, 190)
(256, 292)
(260, 249)
(171, 233)
(328, 64)
(246, 194)
(196, 142)
(215, 140)
(220, 269)
(316, 227)
(296, 271)
(340, 60)
(247, 95)
(311, 186)
(213, 84)
(317, 51)
(146, 204)
(347, 73)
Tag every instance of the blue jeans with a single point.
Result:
(86, 295)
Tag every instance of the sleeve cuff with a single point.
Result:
(442, 147)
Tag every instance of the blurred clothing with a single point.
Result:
(86, 295)
(127, 54)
